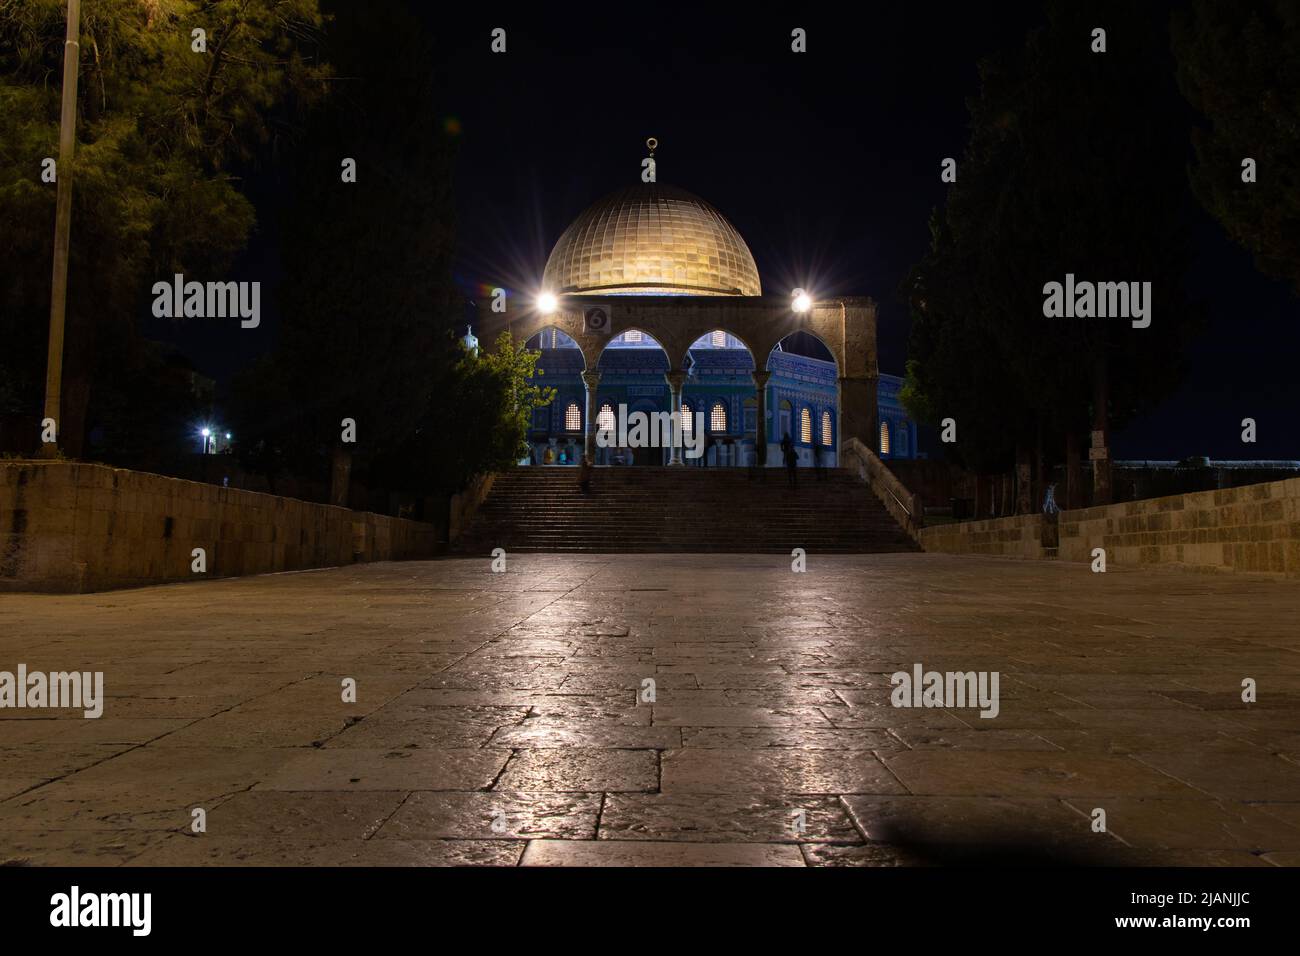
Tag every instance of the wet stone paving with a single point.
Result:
(508, 718)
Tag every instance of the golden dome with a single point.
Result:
(652, 239)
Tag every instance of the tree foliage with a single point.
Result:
(161, 134)
(481, 424)
(1070, 168)
(366, 294)
(1239, 65)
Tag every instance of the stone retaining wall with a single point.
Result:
(1253, 528)
(1017, 536)
(462, 507)
(74, 527)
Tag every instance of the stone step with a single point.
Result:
(683, 510)
(703, 548)
(649, 533)
(688, 528)
(710, 519)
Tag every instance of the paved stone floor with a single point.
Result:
(497, 718)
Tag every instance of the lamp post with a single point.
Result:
(801, 304)
(62, 225)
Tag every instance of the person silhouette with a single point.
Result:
(791, 460)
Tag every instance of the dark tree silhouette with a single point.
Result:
(1239, 65)
(1073, 166)
(366, 296)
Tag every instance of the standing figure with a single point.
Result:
(791, 460)
(1050, 507)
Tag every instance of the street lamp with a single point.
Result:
(547, 303)
(801, 301)
(205, 433)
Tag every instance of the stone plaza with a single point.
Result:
(507, 718)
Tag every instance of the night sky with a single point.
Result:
(827, 163)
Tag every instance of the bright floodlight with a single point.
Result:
(205, 433)
(546, 303)
(227, 436)
(802, 301)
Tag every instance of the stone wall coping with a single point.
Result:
(110, 477)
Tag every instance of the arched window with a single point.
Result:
(828, 433)
(605, 420)
(688, 420)
(718, 417)
(573, 418)
(719, 339)
(805, 426)
(884, 438)
(632, 335)
(551, 339)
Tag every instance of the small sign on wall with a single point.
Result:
(595, 320)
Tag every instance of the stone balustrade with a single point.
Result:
(905, 507)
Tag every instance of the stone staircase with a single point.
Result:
(660, 509)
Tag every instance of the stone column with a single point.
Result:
(675, 379)
(760, 432)
(591, 380)
(859, 373)
(858, 413)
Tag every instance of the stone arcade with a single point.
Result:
(688, 329)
